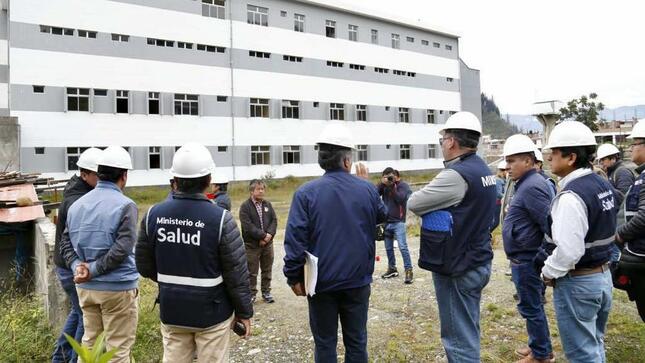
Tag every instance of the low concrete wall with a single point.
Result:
(55, 301)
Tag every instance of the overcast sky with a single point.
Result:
(531, 51)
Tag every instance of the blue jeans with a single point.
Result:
(324, 310)
(582, 305)
(615, 253)
(74, 324)
(396, 231)
(459, 299)
(529, 288)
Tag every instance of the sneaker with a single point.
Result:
(268, 298)
(409, 276)
(391, 272)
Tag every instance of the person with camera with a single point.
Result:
(193, 249)
(395, 195)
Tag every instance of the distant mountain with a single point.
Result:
(525, 122)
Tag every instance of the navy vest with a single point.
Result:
(186, 231)
(598, 196)
(631, 208)
(458, 238)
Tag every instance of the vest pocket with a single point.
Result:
(433, 246)
(193, 307)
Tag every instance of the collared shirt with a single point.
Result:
(568, 230)
(448, 188)
(258, 208)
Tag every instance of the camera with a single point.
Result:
(390, 178)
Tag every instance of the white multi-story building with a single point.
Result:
(256, 81)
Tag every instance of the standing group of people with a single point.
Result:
(207, 270)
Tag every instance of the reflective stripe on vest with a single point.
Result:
(189, 281)
(597, 243)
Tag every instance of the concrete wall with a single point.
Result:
(9, 143)
(470, 90)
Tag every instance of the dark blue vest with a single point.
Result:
(458, 239)
(185, 232)
(631, 208)
(598, 196)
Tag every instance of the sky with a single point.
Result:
(529, 51)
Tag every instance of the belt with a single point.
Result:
(588, 271)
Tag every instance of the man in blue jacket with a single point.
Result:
(523, 232)
(395, 195)
(98, 245)
(334, 218)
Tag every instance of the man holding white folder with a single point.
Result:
(331, 229)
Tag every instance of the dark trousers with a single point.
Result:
(530, 289)
(260, 258)
(74, 324)
(351, 306)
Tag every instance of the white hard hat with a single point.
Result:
(462, 120)
(116, 157)
(538, 155)
(605, 150)
(518, 144)
(638, 132)
(502, 165)
(338, 135)
(570, 134)
(220, 179)
(89, 159)
(192, 160)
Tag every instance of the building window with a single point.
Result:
(450, 113)
(335, 64)
(361, 152)
(153, 103)
(449, 80)
(291, 154)
(186, 104)
(398, 73)
(86, 34)
(257, 15)
(436, 45)
(259, 107)
(409, 39)
(100, 92)
(292, 58)
(330, 29)
(210, 48)
(432, 151)
(161, 42)
(38, 89)
(222, 149)
(214, 8)
(222, 98)
(404, 114)
(39, 150)
(357, 67)
(290, 109)
(361, 112)
(154, 157)
(184, 45)
(374, 36)
(260, 155)
(448, 47)
(381, 70)
(299, 22)
(316, 104)
(412, 74)
(120, 37)
(257, 54)
(431, 119)
(337, 111)
(122, 101)
(78, 99)
(353, 32)
(425, 42)
(404, 152)
(56, 30)
(396, 41)
(283, 13)
(73, 153)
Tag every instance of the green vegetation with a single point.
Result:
(492, 122)
(584, 109)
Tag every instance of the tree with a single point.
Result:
(585, 109)
(492, 121)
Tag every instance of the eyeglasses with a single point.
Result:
(441, 139)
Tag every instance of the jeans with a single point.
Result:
(74, 324)
(459, 299)
(582, 305)
(530, 288)
(397, 231)
(324, 310)
(615, 253)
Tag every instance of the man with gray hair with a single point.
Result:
(259, 224)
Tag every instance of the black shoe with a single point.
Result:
(253, 300)
(409, 277)
(515, 297)
(268, 298)
(391, 272)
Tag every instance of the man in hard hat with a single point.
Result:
(77, 186)
(98, 244)
(220, 191)
(457, 209)
(334, 219)
(523, 232)
(583, 224)
(500, 188)
(193, 250)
